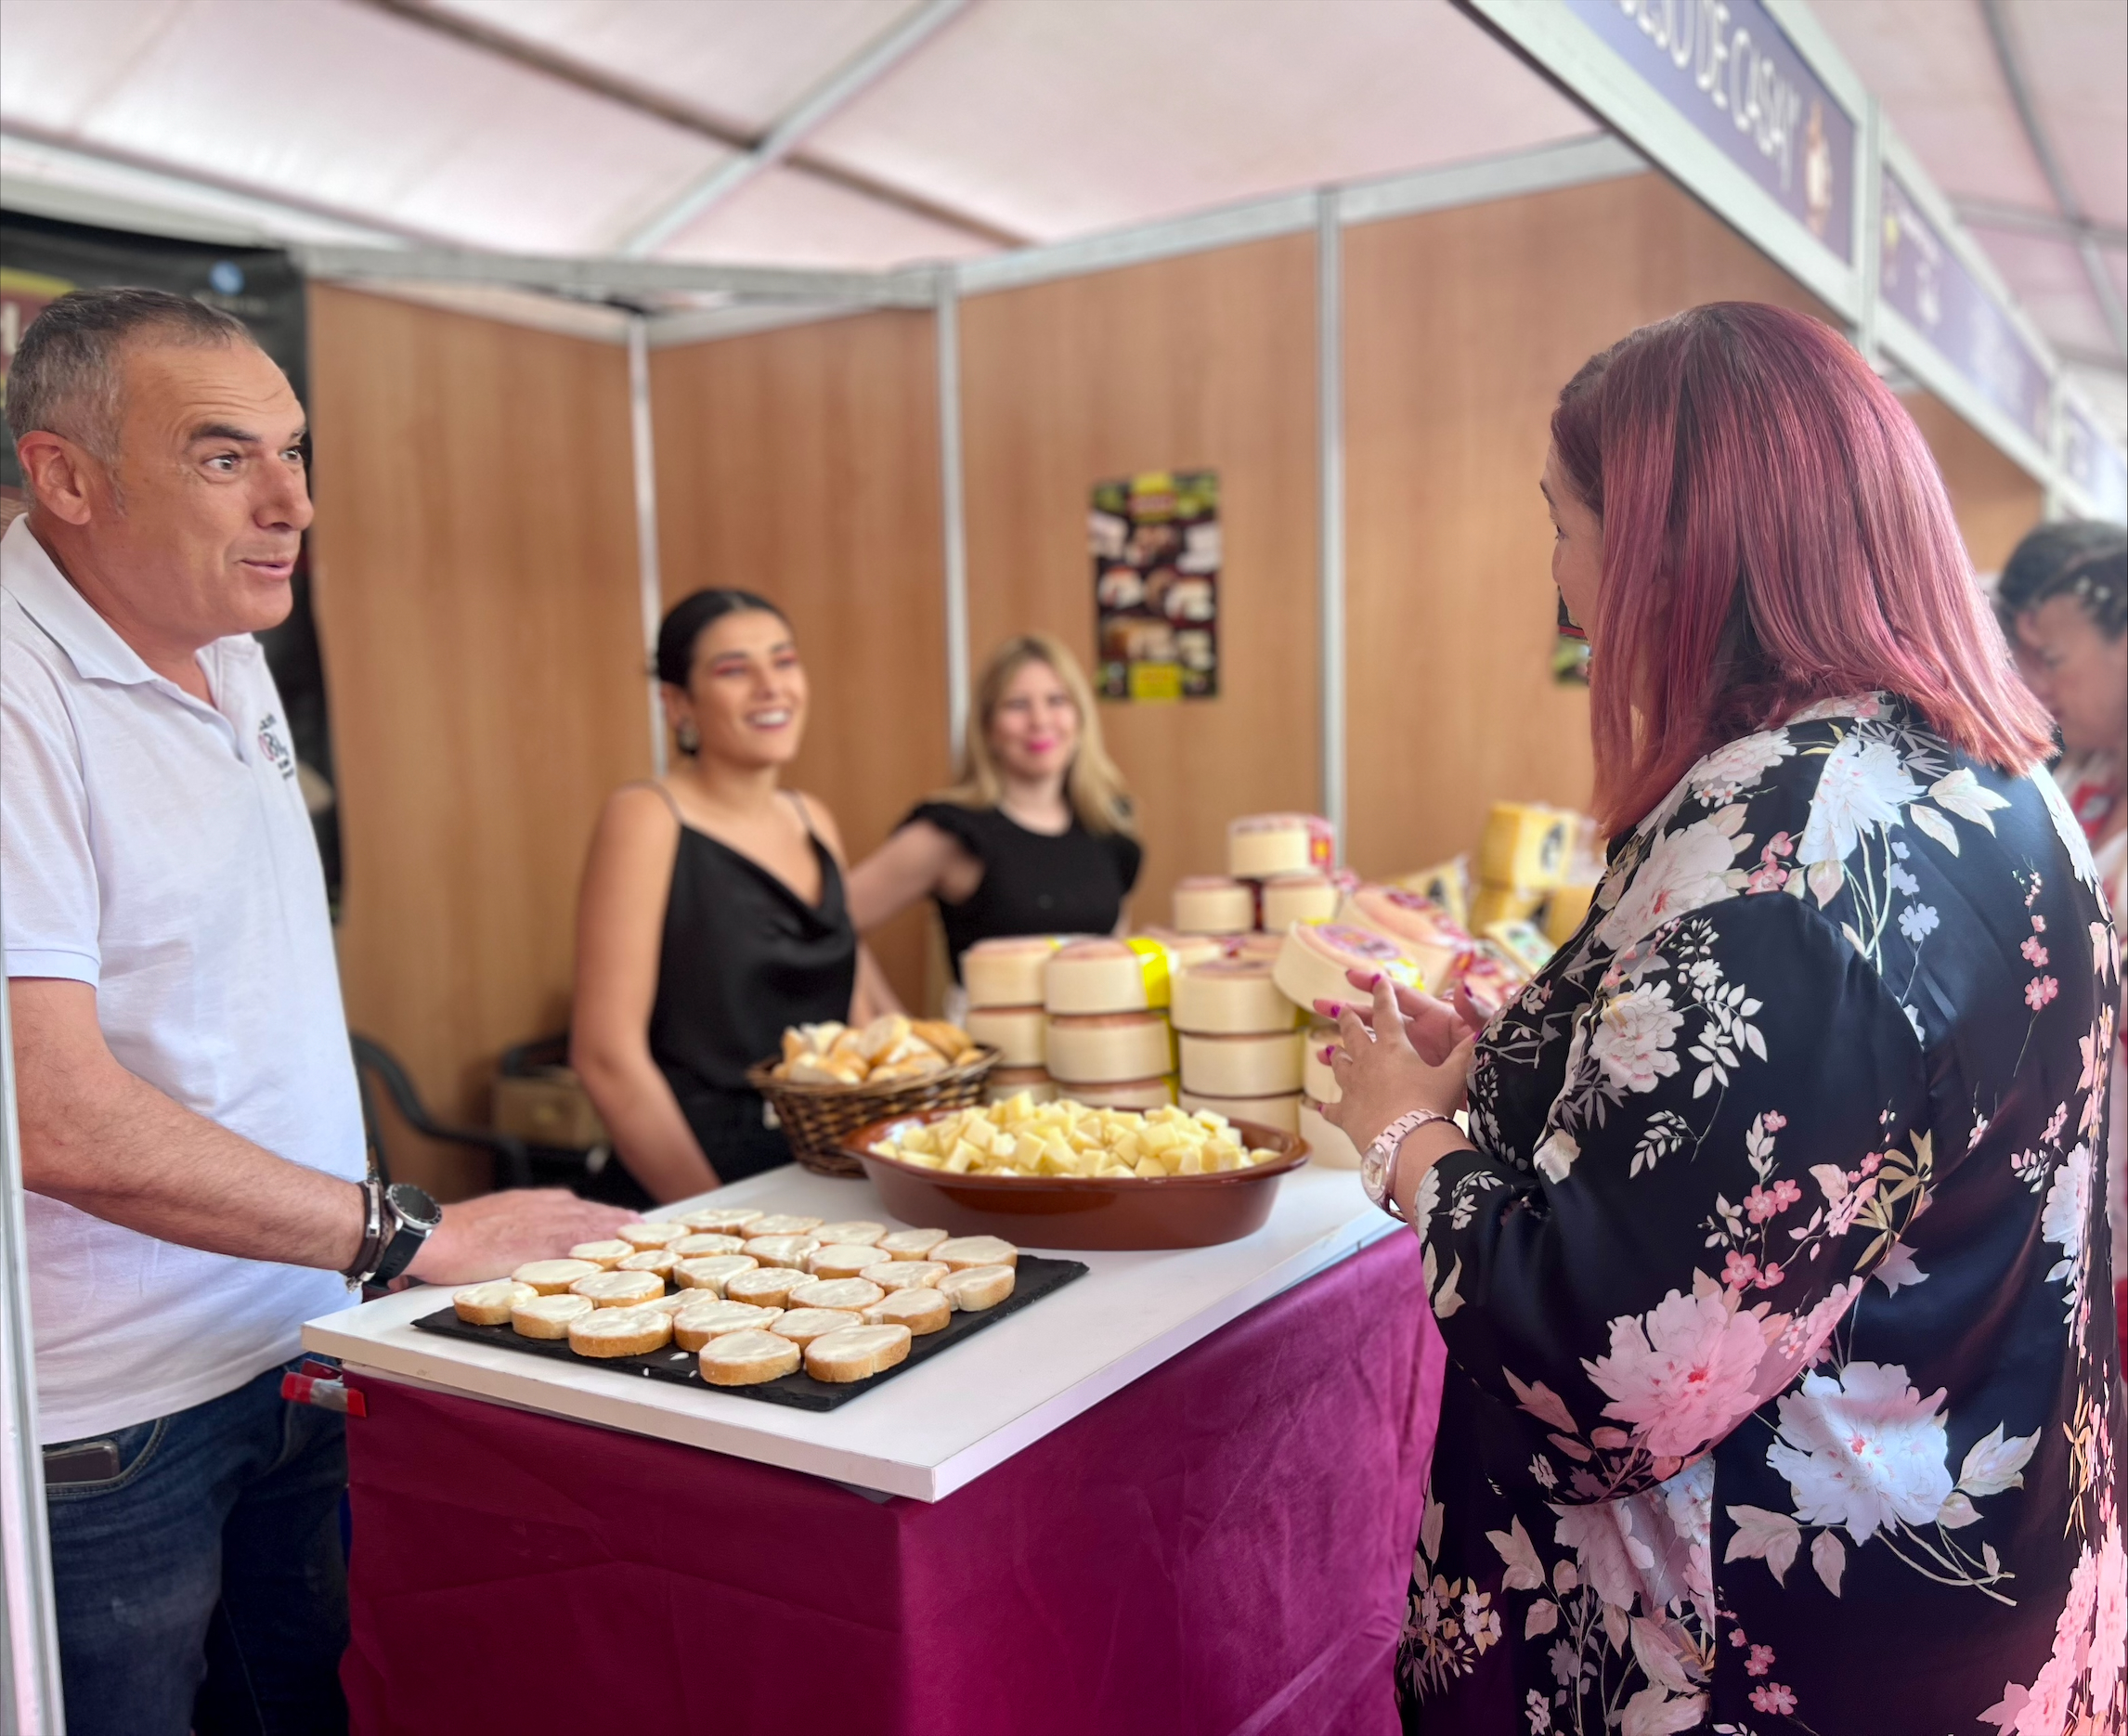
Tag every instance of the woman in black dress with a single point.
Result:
(712, 913)
(1036, 839)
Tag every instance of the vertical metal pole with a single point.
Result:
(650, 593)
(1330, 467)
(953, 509)
(1869, 225)
(29, 1699)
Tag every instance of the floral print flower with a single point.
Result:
(1636, 1039)
(1917, 922)
(1863, 787)
(1863, 1450)
(2040, 990)
(2035, 955)
(1760, 1662)
(1722, 773)
(1681, 1375)
(1684, 872)
(1773, 1697)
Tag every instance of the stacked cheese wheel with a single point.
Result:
(759, 1294)
(1326, 1142)
(1003, 982)
(1108, 1037)
(1239, 1051)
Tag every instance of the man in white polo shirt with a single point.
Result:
(192, 1133)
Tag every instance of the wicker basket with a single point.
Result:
(817, 1117)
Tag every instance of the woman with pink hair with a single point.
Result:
(1783, 1389)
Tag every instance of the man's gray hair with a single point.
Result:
(66, 370)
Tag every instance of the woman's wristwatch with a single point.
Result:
(1378, 1162)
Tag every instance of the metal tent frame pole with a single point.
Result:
(1330, 504)
(649, 589)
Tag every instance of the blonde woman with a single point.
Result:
(1036, 837)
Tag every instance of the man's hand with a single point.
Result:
(491, 1237)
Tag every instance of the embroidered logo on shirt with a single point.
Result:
(273, 746)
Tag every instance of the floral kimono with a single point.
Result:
(1782, 1387)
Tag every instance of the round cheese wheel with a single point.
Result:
(856, 1352)
(1261, 845)
(1316, 1079)
(1327, 1145)
(1425, 932)
(651, 1235)
(922, 1310)
(491, 1303)
(1257, 946)
(1104, 1048)
(1256, 1066)
(1128, 1094)
(607, 1332)
(619, 1289)
(549, 1316)
(1230, 996)
(703, 1244)
(1103, 977)
(606, 1255)
(906, 1274)
(963, 1252)
(766, 1287)
(849, 1233)
(747, 1358)
(831, 1262)
(1016, 1032)
(551, 1277)
(658, 1260)
(781, 1224)
(1316, 955)
(802, 1326)
(1281, 1112)
(712, 1272)
(720, 1221)
(783, 1250)
(1290, 898)
(852, 1293)
(910, 1244)
(1005, 972)
(1008, 1082)
(1185, 950)
(694, 1327)
(1213, 904)
(977, 1289)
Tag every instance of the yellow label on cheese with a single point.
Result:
(1156, 967)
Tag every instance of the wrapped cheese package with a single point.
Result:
(1565, 912)
(1522, 941)
(1008, 972)
(1259, 846)
(1017, 1032)
(1493, 903)
(1185, 950)
(1490, 978)
(1104, 1048)
(1428, 936)
(1446, 884)
(1250, 1066)
(1316, 955)
(1213, 904)
(1106, 977)
(1526, 844)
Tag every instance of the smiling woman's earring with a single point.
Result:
(689, 738)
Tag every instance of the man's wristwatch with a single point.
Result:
(399, 1218)
(1378, 1162)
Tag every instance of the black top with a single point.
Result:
(1032, 883)
(743, 957)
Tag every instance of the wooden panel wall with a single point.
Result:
(803, 463)
(476, 596)
(1460, 327)
(1996, 502)
(1204, 361)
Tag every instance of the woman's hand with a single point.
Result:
(1434, 1025)
(1379, 1072)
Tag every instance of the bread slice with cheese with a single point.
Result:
(856, 1352)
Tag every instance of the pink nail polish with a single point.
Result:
(1375, 981)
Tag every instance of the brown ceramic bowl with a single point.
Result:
(1175, 1212)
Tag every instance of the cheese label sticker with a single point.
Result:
(1155, 968)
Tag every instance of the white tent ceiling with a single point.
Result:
(901, 130)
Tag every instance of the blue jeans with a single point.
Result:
(204, 1587)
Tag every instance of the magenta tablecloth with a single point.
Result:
(1222, 1547)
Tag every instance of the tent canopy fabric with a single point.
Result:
(874, 133)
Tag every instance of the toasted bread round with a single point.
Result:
(855, 1233)
(802, 1326)
(658, 1260)
(782, 1224)
(490, 1304)
(964, 1253)
(692, 1328)
(621, 1290)
(921, 1311)
(549, 1316)
(977, 1289)
(910, 1244)
(551, 1277)
(606, 1254)
(712, 1272)
(720, 1221)
(608, 1332)
(851, 1293)
(856, 1352)
(906, 1274)
(846, 1261)
(766, 1287)
(657, 1235)
(703, 1244)
(781, 1250)
(747, 1358)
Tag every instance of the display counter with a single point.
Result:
(1179, 1493)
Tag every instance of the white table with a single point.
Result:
(933, 1429)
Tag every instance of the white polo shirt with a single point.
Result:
(157, 850)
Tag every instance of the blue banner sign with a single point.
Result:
(2092, 462)
(1727, 68)
(1928, 284)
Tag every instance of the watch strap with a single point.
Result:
(1378, 1167)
